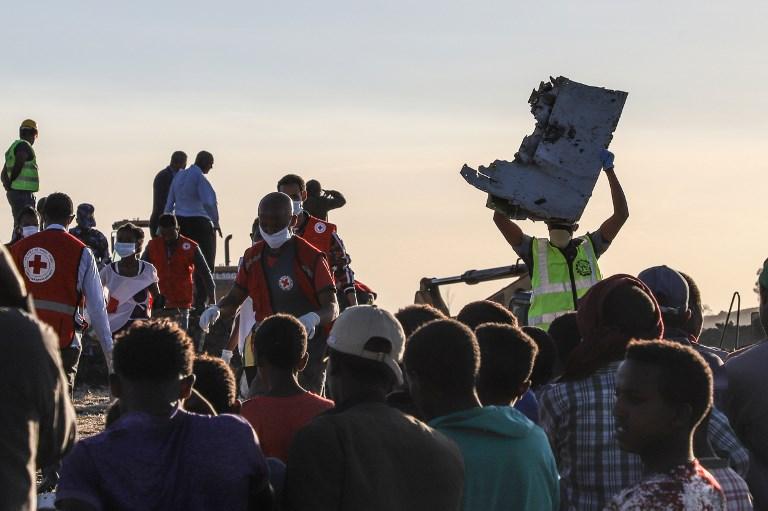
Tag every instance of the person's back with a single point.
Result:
(365, 454)
(276, 419)
(156, 455)
(493, 440)
(371, 456)
(185, 461)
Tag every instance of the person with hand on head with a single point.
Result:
(563, 268)
(20, 176)
(323, 236)
(157, 455)
(284, 273)
(131, 284)
(179, 262)
(86, 231)
(161, 187)
(194, 202)
(60, 273)
(663, 391)
(319, 202)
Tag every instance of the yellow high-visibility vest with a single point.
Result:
(556, 285)
(27, 180)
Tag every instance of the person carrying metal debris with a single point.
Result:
(563, 268)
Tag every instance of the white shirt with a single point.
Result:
(89, 284)
(122, 290)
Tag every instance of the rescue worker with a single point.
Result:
(178, 260)
(86, 232)
(322, 235)
(563, 268)
(60, 273)
(284, 273)
(20, 178)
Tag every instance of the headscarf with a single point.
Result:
(85, 216)
(602, 343)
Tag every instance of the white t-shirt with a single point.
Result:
(127, 297)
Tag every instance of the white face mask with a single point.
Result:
(560, 238)
(298, 207)
(125, 249)
(29, 230)
(279, 238)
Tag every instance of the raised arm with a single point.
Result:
(611, 227)
(509, 229)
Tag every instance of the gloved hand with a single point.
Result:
(209, 317)
(310, 320)
(226, 356)
(606, 159)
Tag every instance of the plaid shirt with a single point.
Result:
(737, 496)
(578, 418)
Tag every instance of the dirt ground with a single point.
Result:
(91, 406)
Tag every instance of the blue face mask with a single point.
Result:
(125, 249)
(298, 207)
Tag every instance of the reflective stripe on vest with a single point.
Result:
(551, 280)
(27, 180)
(55, 307)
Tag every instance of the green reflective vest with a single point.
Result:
(27, 180)
(556, 285)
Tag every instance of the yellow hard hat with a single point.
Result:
(30, 124)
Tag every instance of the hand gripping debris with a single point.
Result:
(555, 170)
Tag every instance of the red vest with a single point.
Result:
(319, 233)
(304, 270)
(49, 262)
(175, 274)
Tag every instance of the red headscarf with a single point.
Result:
(601, 343)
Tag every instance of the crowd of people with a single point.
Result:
(601, 398)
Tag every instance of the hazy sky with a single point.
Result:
(386, 100)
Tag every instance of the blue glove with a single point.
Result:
(606, 158)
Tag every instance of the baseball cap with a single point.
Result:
(359, 324)
(669, 288)
(85, 216)
(29, 124)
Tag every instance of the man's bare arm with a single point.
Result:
(611, 227)
(509, 229)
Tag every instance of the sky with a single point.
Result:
(385, 101)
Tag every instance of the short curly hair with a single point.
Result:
(413, 316)
(281, 341)
(476, 313)
(156, 351)
(507, 357)
(215, 381)
(685, 377)
(445, 353)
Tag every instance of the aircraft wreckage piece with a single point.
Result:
(555, 170)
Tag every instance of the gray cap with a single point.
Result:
(669, 288)
(359, 324)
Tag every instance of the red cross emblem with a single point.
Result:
(285, 283)
(39, 265)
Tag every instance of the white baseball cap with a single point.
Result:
(359, 324)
